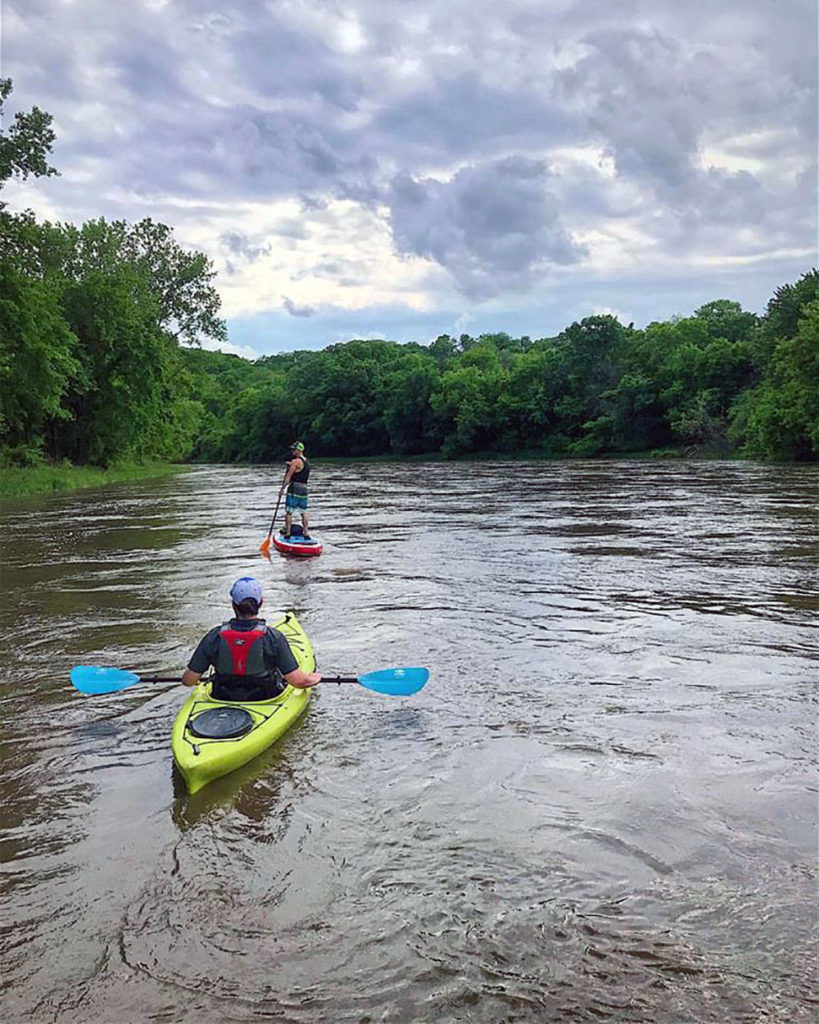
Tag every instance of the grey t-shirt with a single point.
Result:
(275, 648)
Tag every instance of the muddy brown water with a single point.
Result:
(603, 806)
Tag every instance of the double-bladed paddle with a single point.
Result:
(396, 682)
(92, 679)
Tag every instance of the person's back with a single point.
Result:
(295, 483)
(251, 660)
(301, 476)
(242, 670)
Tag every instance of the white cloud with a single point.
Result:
(245, 351)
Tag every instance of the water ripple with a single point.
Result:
(601, 808)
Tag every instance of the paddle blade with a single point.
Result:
(91, 679)
(264, 547)
(399, 682)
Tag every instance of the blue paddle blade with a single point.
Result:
(400, 682)
(91, 679)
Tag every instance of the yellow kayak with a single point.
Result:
(243, 730)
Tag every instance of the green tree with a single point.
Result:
(24, 148)
(785, 308)
(727, 319)
(590, 352)
(35, 343)
(465, 402)
(535, 386)
(119, 393)
(181, 281)
(443, 349)
(408, 416)
(779, 419)
(37, 362)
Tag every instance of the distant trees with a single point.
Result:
(719, 381)
(779, 417)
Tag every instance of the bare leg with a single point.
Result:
(288, 519)
(304, 523)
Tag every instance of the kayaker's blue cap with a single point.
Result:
(244, 588)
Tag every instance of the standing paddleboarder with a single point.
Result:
(295, 483)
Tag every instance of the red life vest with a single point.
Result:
(241, 652)
(241, 673)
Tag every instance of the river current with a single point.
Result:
(602, 807)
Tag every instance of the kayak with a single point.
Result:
(233, 733)
(297, 545)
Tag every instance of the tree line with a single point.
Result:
(720, 381)
(98, 363)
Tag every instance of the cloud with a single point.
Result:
(295, 310)
(494, 226)
(239, 250)
(463, 116)
(653, 102)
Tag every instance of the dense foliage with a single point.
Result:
(91, 371)
(716, 382)
(91, 368)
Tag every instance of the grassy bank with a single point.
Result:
(17, 483)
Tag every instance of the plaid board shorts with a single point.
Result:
(295, 502)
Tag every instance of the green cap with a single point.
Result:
(298, 446)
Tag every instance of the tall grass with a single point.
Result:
(17, 483)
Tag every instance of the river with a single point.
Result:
(602, 807)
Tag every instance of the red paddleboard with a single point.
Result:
(297, 545)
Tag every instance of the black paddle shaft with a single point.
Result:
(339, 679)
(276, 513)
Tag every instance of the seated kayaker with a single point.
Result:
(249, 657)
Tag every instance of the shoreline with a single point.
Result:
(521, 455)
(25, 482)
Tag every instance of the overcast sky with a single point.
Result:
(407, 168)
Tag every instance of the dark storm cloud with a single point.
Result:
(650, 99)
(493, 226)
(145, 66)
(463, 115)
(274, 59)
(654, 103)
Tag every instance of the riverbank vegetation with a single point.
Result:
(99, 365)
(91, 323)
(18, 482)
(720, 382)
